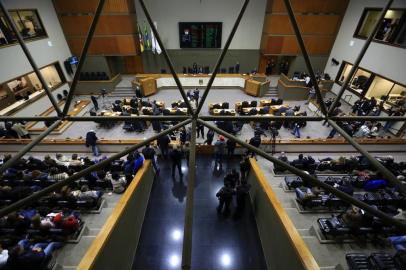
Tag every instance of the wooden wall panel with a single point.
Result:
(310, 24)
(115, 45)
(288, 45)
(107, 25)
(133, 64)
(89, 6)
(311, 6)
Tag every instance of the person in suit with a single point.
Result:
(91, 140)
(176, 157)
(95, 103)
(219, 147)
(237, 67)
(196, 95)
(163, 144)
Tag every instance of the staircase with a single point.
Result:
(272, 93)
(123, 91)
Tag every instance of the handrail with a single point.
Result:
(99, 243)
(302, 251)
(318, 141)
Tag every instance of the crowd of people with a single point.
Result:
(38, 230)
(235, 185)
(14, 130)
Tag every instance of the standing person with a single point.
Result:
(196, 95)
(231, 145)
(183, 136)
(186, 151)
(176, 157)
(242, 192)
(209, 137)
(219, 152)
(91, 140)
(200, 130)
(163, 144)
(225, 196)
(237, 67)
(244, 167)
(149, 154)
(256, 142)
(389, 124)
(95, 103)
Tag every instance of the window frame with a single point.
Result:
(362, 18)
(26, 39)
(373, 75)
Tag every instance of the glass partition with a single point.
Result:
(28, 23)
(391, 31)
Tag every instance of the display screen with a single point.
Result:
(200, 34)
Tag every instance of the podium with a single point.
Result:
(256, 88)
(148, 86)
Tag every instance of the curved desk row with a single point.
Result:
(255, 85)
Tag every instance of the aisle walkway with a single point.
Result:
(218, 242)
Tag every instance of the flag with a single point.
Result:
(155, 45)
(141, 40)
(147, 41)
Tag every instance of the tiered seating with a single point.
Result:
(377, 260)
(54, 218)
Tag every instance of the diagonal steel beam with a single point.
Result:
(344, 196)
(305, 56)
(166, 56)
(359, 57)
(83, 55)
(27, 53)
(221, 57)
(388, 174)
(28, 147)
(188, 225)
(37, 195)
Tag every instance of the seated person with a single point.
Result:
(3, 257)
(55, 175)
(118, 183)
(68, 223)
(353, 217)
(398, 242)
(42, 223)
(49, 162)
(75, 161)
(85, 194)
(62, 160)
(308, 194)
(27, 256)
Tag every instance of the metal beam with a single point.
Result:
(360, 56)
(260, 118)
(305, 56)
(221, 57)
(127, 118)
(32, 198)
(368, 118)
(388, 174)
(29, 118)
(344, 196)
(28, 147)
(83, 55)
(27, 53)
(188, 225)
(166, 56)
(204, 117)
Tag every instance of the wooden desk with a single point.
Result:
(149, 110)
(231, 112)
(172, 111)
(109, 113)
(248, 109)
